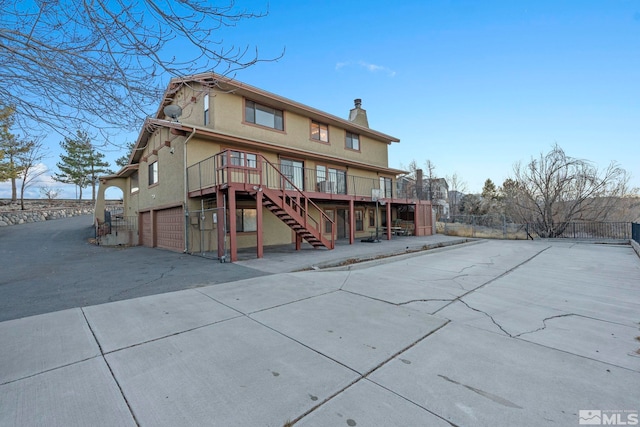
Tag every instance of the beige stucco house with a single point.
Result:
(237, 167)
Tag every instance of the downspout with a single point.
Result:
(186, 192)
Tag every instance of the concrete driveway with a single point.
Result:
(487, 334)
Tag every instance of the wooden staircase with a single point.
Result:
(293, 211)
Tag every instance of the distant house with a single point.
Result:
(434, 190)
(239, 167)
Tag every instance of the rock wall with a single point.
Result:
(23, 217)
(42, 210)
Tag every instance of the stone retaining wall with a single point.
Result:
(27, 216)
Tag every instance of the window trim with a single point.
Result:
(320, 125)
(349, 136)
(255, 103)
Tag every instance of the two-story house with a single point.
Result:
(224, 165)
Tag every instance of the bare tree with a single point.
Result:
(555, 189)
(431, 178)
(457, 187)
(49, 193)
(77, 64)
(31, 166)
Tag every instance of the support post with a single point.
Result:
(221, 215)
(233, 239)
(388, 208)
(259, 231)
(352, 222)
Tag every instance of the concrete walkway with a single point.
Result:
(492, 333)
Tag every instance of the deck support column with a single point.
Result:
(259, 231)
(221, 218)
(352, 222)
(233, 240)
(388, 208)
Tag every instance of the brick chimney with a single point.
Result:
(357, 115)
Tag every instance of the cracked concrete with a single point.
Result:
(539, 331)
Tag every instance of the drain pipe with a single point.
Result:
(186, 192)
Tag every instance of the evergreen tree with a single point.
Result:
(489, 190)
(96, 166)
(11, 148)
(82, 164)
(124, 160)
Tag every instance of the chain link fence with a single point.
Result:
(203, 238)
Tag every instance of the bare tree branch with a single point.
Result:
(555, 189)
(73, 64)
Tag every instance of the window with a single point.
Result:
(328, 224)
(319, 131)
(153, 173)
(133, 182)
(206, 109)
(294, 171)
(339, 180)
(385, 187)
(372, 218)
(240, 158)
(359, 216)
(263, 115)
(353, 141)
(246, 220)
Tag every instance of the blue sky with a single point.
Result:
(472, 86)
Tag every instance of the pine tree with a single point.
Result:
(82, 164)
(124, 160)
(11, 148)
(96, 166)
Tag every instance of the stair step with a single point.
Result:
(289, 211)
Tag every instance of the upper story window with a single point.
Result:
(153, 173)
(353, 141)
(319, 131)
(206, 109)
(262, 115)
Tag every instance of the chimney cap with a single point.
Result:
(357, 102)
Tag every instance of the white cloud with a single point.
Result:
(45, 179)
(373, 68)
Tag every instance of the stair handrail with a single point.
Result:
(306, 199)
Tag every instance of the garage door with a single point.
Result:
(145, 229)
(170, 229)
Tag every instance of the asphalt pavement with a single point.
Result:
(486, 333)
(51, 266)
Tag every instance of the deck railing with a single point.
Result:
(238, 167)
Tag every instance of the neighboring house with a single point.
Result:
(435, 190)
(240, 167)
(440, 197)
